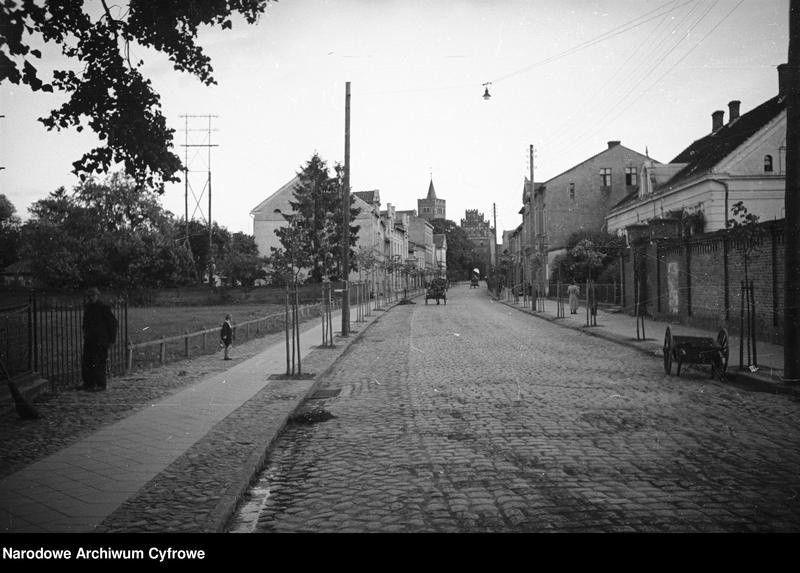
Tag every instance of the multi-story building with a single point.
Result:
(577, 200)
(266, 220)
(420, 232)
(440, 254)
(743, 160)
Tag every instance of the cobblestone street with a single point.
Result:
(474, 417)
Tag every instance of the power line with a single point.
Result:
(630, 25)
(671, 67)
(597, 103)
(650, 70)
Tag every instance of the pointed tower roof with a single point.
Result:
(431, 191)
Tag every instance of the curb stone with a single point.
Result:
(743, 379)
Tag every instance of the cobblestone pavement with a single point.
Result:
(473, 417)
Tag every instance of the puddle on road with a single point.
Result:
(245, 519)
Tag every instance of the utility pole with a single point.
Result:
(346, 217)
(791, 322)
(532, 215)
(496, 256)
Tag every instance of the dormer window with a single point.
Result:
(767, 164)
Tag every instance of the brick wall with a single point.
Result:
(697, 281)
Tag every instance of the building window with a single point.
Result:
(572, 191)
(605, 176)
(630, 176)
(767, 164)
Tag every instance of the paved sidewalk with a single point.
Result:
(621, 328)
(80, 487)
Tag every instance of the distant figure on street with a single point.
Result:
(573, 291)
(99, 332)
(226, 335)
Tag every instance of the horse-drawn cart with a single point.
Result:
(697, 350)
(437, 289)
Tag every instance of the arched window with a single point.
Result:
(767, 164)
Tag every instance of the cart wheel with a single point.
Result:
(724, 350)
(668, 345)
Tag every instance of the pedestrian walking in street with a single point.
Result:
(99, 332)
(573, 291)
(226, 335)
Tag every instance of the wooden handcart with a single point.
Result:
(437, 289)
(697, 350)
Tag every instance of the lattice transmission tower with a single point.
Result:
(193, 174)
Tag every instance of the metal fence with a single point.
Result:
(15, 339)
(607, 293)
(45, 335)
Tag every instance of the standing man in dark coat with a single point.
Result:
(99, 332)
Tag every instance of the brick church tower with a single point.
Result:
(431, 207)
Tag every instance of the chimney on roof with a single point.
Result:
(783, 79)
(716, 120)
(612, 144)
(733, 110)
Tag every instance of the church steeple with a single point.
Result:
(431, 191)
(432, 208)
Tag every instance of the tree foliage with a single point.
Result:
(106, 89)
(461, 256)
(745, 228)
(9, 232)
(313, 237)
(240, 263)
(590, 255)
(104, 233)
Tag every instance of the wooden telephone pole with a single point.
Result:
(346, 217)
(791, 348)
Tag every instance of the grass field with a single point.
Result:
(153, 323)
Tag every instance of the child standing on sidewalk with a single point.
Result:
(226, 335)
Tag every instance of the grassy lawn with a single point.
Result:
(152, 323)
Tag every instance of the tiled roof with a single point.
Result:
(702, 155)
(368, 197)
(629, 198)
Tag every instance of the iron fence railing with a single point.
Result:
(15, 339)
(45, 335)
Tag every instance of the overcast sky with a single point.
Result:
(566, 76)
